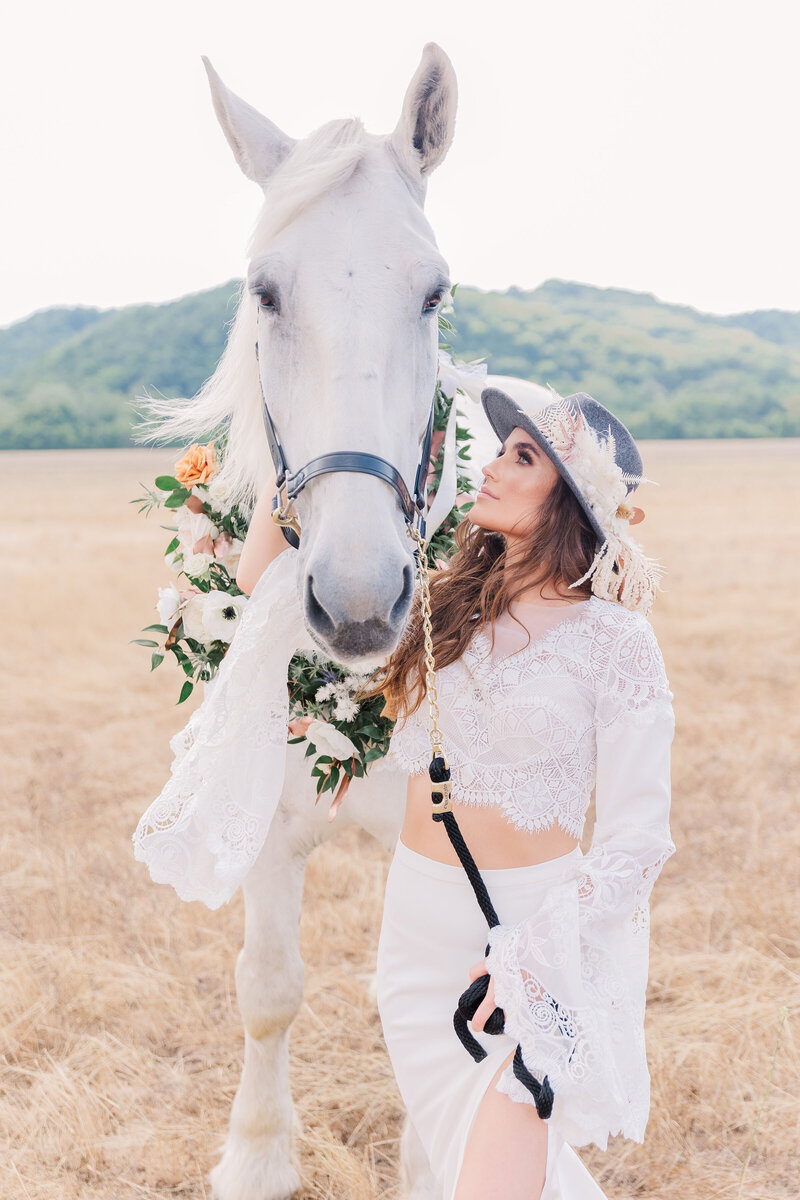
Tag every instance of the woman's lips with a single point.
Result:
(484, 492)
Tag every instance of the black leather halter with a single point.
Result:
(348, 460)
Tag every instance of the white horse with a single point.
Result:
(341, 294)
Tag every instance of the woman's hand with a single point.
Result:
(487, 1005)
(263, 543)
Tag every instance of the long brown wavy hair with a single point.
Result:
(558, 547)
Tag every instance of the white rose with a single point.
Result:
(169, 599)
(197, 565)
(218, 490)
(330, 740)
(222, 614)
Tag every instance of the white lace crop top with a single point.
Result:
(521, 724)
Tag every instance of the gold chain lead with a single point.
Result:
(440, 792)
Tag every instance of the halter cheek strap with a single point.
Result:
(358, 461)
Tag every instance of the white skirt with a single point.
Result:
(432, 933)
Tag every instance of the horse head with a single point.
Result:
(342, 289)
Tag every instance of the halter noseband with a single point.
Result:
(358, 461)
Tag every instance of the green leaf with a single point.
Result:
(374, 753)
(186, 691)
(155, 658)
(188, 669)
(173, 545)
(143, 642)
(156, 628)
(167, 483)
(177, 499)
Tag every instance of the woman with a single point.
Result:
(548, 685)
(569, 692)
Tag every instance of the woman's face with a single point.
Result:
(515, 485)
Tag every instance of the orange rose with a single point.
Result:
(197, 465)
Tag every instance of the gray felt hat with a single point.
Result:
(600, 462)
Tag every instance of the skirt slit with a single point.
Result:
(432, 933)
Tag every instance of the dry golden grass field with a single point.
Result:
(121, 1040)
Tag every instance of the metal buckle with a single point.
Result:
(442, 789)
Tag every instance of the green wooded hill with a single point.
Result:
(68, 376)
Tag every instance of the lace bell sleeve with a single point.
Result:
(206, 828)
(572, 978)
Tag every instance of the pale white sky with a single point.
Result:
(643, 144)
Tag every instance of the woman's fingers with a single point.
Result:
(478, 970)
(485, 1008)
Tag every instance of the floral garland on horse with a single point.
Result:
(198, 620)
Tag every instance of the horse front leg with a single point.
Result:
(377, 804)
(256, 1163)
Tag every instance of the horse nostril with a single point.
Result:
(318, 615)
(401, 604)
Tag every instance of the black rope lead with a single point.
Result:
(471, 999)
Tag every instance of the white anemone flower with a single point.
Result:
(192, 615)
(330, 740)
(222, 614)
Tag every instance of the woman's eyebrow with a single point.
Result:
(522, 446)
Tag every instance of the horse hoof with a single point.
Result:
(252, 1172)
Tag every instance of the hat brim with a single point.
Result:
(505, 415)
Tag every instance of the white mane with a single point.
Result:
(230, 400)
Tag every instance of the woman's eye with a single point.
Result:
(522, 455)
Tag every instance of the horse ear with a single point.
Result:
(257, 143)
(424, 132)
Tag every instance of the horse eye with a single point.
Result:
(433, 301)
(267, 300)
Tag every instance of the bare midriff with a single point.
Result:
(492, 839)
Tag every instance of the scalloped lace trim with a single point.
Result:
(206, 828)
